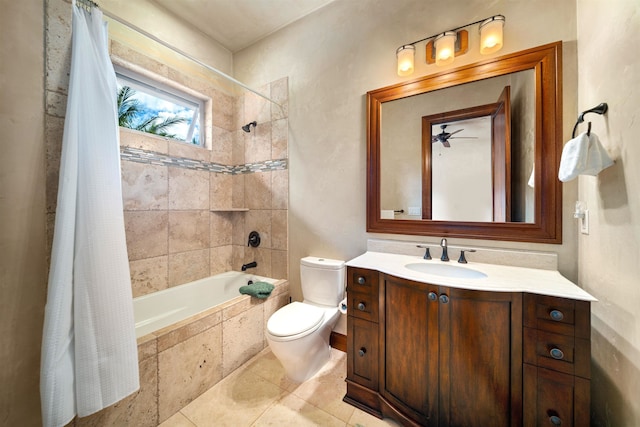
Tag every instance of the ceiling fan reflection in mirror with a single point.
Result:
(444, 136)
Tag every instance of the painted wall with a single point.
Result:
(22, 210)
(333, 57)
(609, 268)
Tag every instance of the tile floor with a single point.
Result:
(259, 394)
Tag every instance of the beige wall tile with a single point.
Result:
(237, 256)
(143, 141)
(147, 233)
(54, 127)
(257, 108)
(279, 139)
(222, 146)
(221, 259)
(58, 45)
(221, 228)
(242, 338)
(172, 335)
(238, 191)
(257, 191)
(279, 264)
(279, 233)
(221, 191)
(188, 151)
(238, 113)
(258, 220)
(188, 189)
(185, 267)
(238, 235)
(222, 110)
(147, 347)
(138, 409)
(188, 369)
(188, 230)
(280, 182)
(237, 143)
(149, 275)
(144, 186)
(263, 257)
(257, 143)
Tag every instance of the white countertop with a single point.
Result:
(500, 278)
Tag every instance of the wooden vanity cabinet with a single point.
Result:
(557, 361)
(441, 356)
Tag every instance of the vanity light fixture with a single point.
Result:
(405, 54)
(491, 34)
(443, 47)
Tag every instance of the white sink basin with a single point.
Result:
(446, 270)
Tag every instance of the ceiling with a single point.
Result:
(236, 24)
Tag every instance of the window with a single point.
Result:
(153, 107)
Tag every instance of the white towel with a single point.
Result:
(583, 155)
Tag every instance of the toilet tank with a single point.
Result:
(322, 280)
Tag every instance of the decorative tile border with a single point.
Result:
(151, 157)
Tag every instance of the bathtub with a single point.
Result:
(157, 310)
(192, 336)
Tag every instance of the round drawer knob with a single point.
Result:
(362, 280)
(361, 306)
(432, 296)
(556, 353)
(444, 298)
(555, 420)
(556, 315)
(362, 352)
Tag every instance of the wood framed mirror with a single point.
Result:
(404, 122)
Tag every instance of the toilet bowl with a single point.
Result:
(298, 333)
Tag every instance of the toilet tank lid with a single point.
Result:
(326, 263)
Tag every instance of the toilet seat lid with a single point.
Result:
(294, 318)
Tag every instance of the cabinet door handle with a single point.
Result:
(556, 315)
(361, 306)
(362, 280)
(555, 420)
(444, 298)
(556, 353)
(362, 352)
(432, 296)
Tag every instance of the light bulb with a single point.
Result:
(445, 45)
(405, 56)
(491, 34)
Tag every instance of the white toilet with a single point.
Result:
(298, 333)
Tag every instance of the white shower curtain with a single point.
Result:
(89, 353)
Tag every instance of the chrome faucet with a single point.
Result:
(445, 254)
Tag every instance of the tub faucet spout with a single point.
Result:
(249, 265)
(445, 254)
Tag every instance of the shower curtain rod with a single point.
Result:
(176, 50)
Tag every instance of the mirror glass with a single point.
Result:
(460, 166)
(470, 152)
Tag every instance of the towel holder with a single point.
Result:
(599, 109)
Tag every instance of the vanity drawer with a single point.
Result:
(363, 306)
(362, 280)
(557, 315)
(561, 353)
(362, 352)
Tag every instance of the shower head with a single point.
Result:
(247, 127)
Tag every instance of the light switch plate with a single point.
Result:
(417, 211)
(584, 222)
